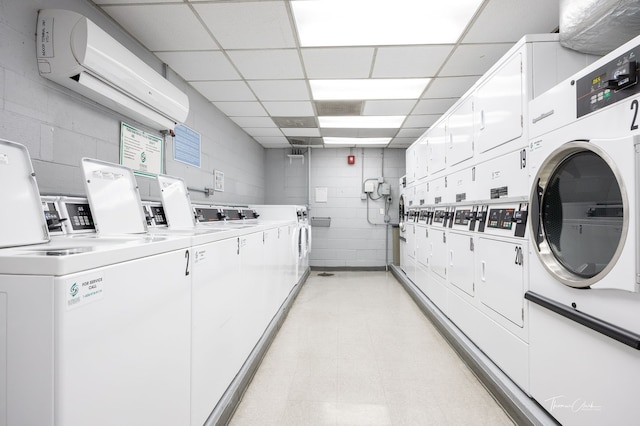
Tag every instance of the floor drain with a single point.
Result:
(325, 274)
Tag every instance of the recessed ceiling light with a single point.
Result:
(362, 122)
(356, 141)
(368, 89)
(380, 22)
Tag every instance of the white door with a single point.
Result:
(461, 257)
(498, 106)
(438, 245)
(460, 133)
(501, 278)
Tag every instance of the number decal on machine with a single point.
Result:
(186, 256)
(634, 107)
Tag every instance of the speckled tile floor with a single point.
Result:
(356, 350)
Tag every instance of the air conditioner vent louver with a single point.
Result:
(338, 108)
(305, 141)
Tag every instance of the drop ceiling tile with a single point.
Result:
(377, 133)
(301, 132)
(391, 107)
(277, 145)
(420, 121)
(241, 109)
(163, 27)
(280, 90)
(224, 90)
(339, 133)
(410, 61)
(401, 142)
(338, 62)
(248, 25)
(411, 133)
(289, 109)
(507, 20)
(273, 140)
(254, 121)
(474, 59)
(449, 87)
(434, 106)
(263, 131)
(267, 64)
(209, 65)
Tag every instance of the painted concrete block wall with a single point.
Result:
(59, 126)
(350, 241)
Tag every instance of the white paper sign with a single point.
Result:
(140, 151)
(322, 194)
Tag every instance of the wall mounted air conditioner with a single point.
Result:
(76, 53)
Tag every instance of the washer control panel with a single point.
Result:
(608, 84)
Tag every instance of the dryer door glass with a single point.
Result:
(582, 214)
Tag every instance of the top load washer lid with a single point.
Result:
(176, 202)
(22, 220)
(114, 198)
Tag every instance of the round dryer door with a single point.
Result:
(579, 214)
(401, 212)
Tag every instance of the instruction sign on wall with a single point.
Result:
(186, 146)
(141, 151)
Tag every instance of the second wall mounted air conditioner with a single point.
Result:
(76, 53)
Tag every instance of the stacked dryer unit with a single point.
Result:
(584, 299)
(402, 219)
(471, 240)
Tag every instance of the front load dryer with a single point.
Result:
(584, 303)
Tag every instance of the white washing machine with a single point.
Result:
(584, 300)
(306, 238)
(92, 330)
(217, 348)
(300, 232)
(242, 273)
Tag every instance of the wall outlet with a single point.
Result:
(381, 211)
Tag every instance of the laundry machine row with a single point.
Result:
(584, 295)
(101, 328)
(471, 263)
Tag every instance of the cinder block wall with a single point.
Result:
(59, 126)
(350, 241)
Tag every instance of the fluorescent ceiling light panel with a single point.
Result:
(362, 122)
(381, 22)
(368, 89)
(356, 141)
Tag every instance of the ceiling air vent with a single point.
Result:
(338, 108)
(295, 122)
(305, 141)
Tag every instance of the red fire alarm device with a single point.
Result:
(351, 159)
